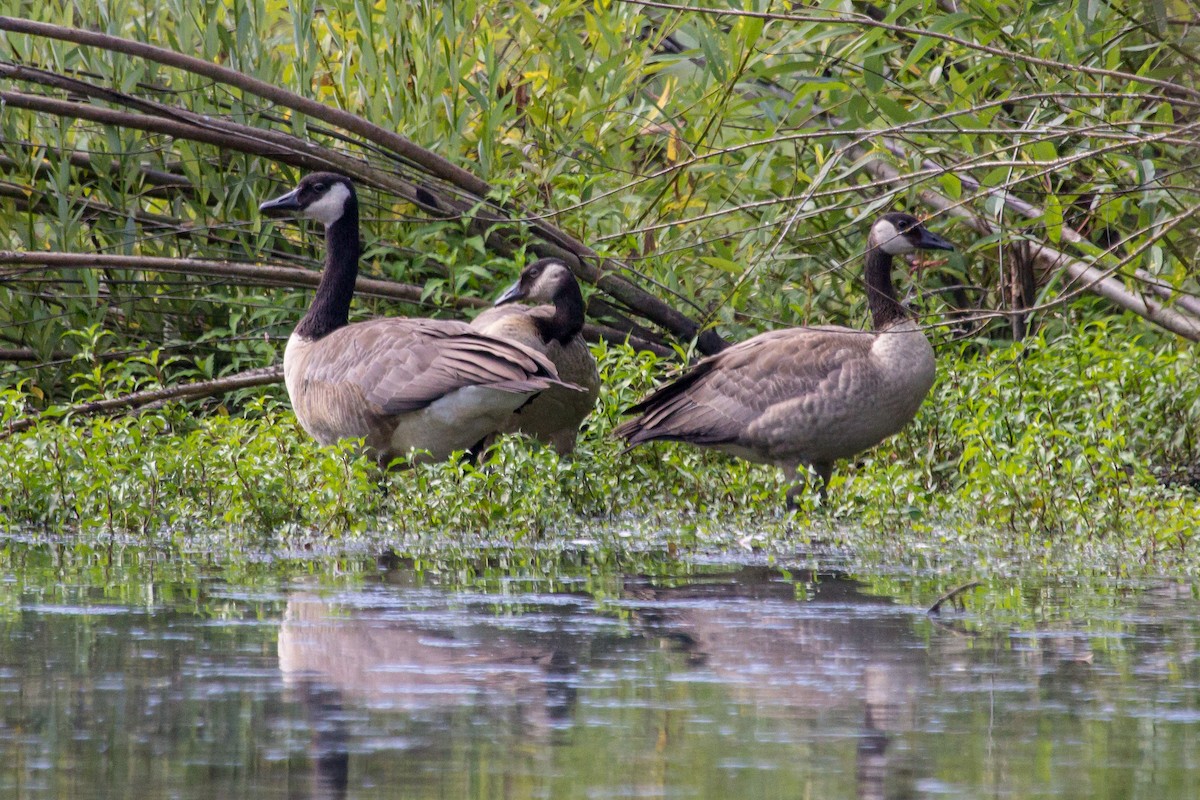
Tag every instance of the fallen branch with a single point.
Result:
(260, 376)
(26, 354)
(936, 608)
(295, 277)
(258, 274)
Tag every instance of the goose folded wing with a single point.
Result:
(724, 395)
(398, 366)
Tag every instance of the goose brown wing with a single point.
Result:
(402, 365)
(722, 396)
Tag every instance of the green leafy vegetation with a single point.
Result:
(1046, 452)
(724, 160)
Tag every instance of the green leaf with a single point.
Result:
(1053, 218)
(724, 264)
(1042, 150)
(951, 185)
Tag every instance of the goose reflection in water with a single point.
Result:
(799, 645)
(427, 655)
(372, 659)
(515, 664)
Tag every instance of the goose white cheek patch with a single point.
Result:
(548, 282)
(890, 240)
(329, 208)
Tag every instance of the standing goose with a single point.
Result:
(401, 384)
(806, 396)
(554, 330)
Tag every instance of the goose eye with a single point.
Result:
(318, 187)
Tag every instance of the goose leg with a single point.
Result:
(389, 461)
(564, 442)
(824, 473)
(798, 486)
(475, 453)
(793, 493)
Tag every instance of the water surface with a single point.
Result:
(122, 676)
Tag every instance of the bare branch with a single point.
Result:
(258, 274)
(276, 275)
(25, 354)
(157, 178)
(260, 376)
(936, 608)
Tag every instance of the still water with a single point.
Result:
(127, 676)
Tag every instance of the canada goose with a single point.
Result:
(806, 396)
(554, 415)
(401, 384)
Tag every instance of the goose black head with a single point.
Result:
(321, 196)
(542, 281)
(897, 233)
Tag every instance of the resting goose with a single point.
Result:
(401, 384)
(806, 396)
(554, 330)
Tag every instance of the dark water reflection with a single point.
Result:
(739, 681)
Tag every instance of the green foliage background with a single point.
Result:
(730, 160)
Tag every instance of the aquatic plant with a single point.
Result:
(1035, 450)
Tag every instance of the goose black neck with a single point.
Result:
(886, 308)
(330, 308)
(567, 321)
